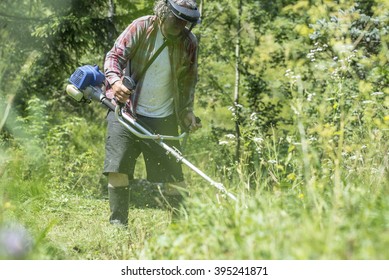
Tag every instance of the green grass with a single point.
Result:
(303, 200)
(316, 188)
(73, 225)
(264, 224)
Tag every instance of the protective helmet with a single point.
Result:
(187, 14)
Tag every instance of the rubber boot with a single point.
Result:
(119, 204)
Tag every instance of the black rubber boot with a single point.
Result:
(119, 204)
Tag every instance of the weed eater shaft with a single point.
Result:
(143, 133)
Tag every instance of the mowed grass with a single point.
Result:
(71, 225)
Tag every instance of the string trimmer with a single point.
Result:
(86, 84)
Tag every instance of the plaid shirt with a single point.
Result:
(136, 44)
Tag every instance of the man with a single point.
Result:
(162, 98)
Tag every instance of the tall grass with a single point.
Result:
(321, 190)
(311, 218)
(317, 189)
(306, 200)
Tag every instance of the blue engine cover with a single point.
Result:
(87, 75)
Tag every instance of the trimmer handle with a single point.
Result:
(129, 83)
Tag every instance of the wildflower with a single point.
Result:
(15, 242)
(288, 72)
(230, 136)
(258, 139)
(254, 116)
(310, 96)
(291, 176)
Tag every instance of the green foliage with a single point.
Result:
(73, 156)
(313, 117)
(62, 35)
(277, 226)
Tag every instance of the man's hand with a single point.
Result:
(191, 123)
(121, 92)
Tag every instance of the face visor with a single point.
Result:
(190, 15)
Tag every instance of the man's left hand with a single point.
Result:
(191, 122)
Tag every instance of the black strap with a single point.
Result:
(151, 60)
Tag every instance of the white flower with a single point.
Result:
(258, 139)
(253, 117)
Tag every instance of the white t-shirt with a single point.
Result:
(156, 96)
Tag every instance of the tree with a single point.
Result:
(237, 82)
(55, 37)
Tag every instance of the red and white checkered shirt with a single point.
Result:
(136, 43)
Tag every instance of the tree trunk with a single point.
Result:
(237, 83)
(111, 30)
(111, 16)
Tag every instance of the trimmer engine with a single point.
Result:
(87, 75)
(86, 84)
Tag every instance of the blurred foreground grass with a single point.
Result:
(264, 224)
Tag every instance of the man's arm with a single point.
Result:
(117, 58)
